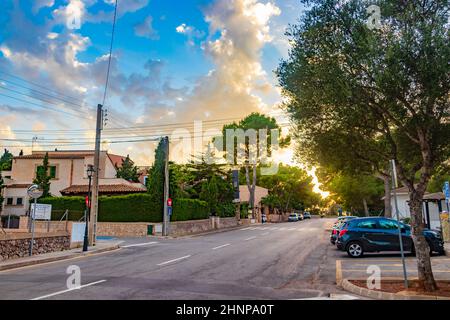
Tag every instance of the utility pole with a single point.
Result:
(166, 189)
(94, 200)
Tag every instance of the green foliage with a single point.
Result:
(43, 177)
(128, 208)
(6, 161)
(155, 183)
(1, 191)
(351, 190)
(439, 178)
(291, 188)
(128, 170)
(362, 97)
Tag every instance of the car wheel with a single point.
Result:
(355, 250)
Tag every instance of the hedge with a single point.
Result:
(128, 208)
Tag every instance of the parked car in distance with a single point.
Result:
(301, 217)
(293, 217)
(358, 236)
(336, 227)
(307, 215)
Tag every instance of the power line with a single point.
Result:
(42, 106)
(40, 86)
(110, 53)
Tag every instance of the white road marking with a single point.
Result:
(265, 234)
(68, 290)
(140, 244)
(246, 229)
(282, 229)
(291, 229)
(223, 246)
(174, 260)
(251, 238)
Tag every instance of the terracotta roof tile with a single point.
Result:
(117, 188)
(18, 186)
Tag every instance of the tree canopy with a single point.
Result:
(366, 96)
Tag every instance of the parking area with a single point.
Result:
(390, 266)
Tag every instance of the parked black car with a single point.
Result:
(362, 235)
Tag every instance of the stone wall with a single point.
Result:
(130, 230)
(181, 228)
(13, 246)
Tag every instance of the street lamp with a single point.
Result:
(87, 212)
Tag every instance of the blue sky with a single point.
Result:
(173, 61)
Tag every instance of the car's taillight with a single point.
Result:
(343, 231)
(334, 231)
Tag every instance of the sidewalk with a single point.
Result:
(447, 249)
(101, 247)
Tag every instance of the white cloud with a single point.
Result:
(145, 29)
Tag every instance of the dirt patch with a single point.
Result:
(397, 286)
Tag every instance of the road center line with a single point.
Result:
(140, 244)
(266, 234)
(246, 229)
(174, 260)
(223, 246)
(251, 238)
(69, 290)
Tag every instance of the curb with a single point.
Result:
(380, 295)
(211, 232)
(54, 259)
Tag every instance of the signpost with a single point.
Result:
(34, 192)
(447, 194)
(397, 212)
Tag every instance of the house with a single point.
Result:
(260, 193)
(433, 204)
(68, 170)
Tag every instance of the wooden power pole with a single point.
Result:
(95, 183)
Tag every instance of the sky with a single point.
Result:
(173, 62)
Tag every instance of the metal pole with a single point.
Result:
(166, 190)
(94, 210)
(400, 238)
(32, 227)
(9, 220)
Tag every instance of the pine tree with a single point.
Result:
(43, 177)
(128, 170)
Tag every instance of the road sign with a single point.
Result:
(447, 190)
(169, 202)
(169, 210)
(34, 191)
(86, 199)
(41, 211)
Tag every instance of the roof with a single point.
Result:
(434, 196)
(18, 186)
(114, 188)
(58, 155)
(116, 160)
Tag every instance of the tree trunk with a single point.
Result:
(425, 271)
(366, 208)
(251, 188)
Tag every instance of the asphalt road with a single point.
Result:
(274, 261)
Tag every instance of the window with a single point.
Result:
(388, 224)
(9, 201)
(51, 171)
(19, 201)
(369, 224)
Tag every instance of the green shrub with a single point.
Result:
(226, 210)
(189, 209)
(128, 208)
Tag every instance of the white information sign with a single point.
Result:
(42, 211)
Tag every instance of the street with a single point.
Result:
(272, 261)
